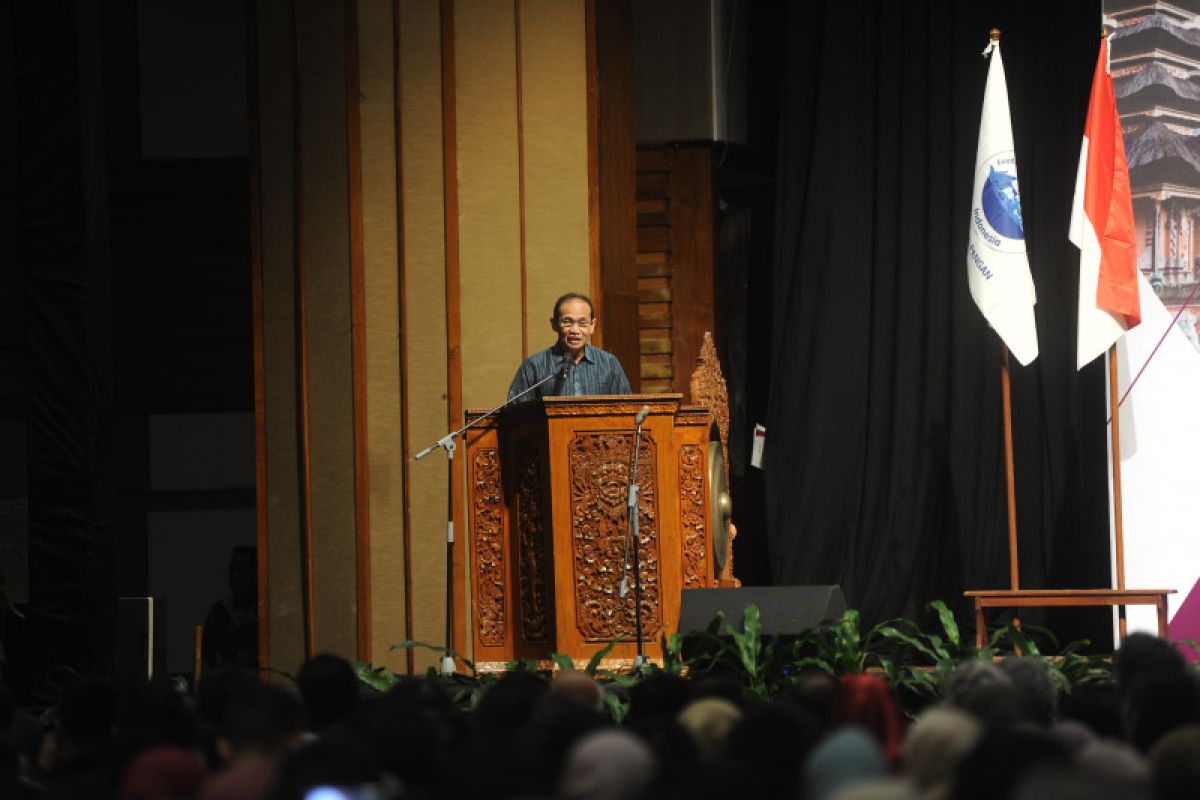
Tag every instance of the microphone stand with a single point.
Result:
(447, 443)
(631, 543)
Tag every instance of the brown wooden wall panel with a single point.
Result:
(653, 159)
(654, 290)
(384, 443)
(324, 231)
(676, 262)
(615, 182)
(654, 314)
(693, 219)
(442, 131)
(653, 185)
(426, 244)
(554, 143)
(281, 600)
(655, 264)
(654, 238)
(653, 206)
(656, 366)
(656, 340)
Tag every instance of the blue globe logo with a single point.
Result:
(1001, 201)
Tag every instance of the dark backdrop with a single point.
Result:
(885, 458)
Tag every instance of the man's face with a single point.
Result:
(574, 325)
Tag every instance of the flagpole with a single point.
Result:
(1009, 479)
(1118, 521)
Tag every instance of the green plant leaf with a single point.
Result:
(672, 652)
(381, 679)
(819, 663)
(617, 708)
(948, 622)
(601, 654)
(1021, 642)
(913, 641)
(564, 662)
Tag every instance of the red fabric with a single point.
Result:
(1107, 200)
(867, 701)
(163, 773)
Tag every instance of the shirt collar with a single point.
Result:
(561, 350)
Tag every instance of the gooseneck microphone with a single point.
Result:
(641, 416)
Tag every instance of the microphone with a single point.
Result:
(566, 365)
(641, 416)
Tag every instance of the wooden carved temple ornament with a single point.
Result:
(547, 489)
(709, 391)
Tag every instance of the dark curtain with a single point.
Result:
(64, 265)
(885, 456)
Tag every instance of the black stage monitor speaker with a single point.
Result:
(785, 610)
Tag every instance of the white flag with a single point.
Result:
(997, 267)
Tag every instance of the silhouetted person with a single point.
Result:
(231, 627)
(77, 750)
(258, 728)
(1036, 688)
(329, 689)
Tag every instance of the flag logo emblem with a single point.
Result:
(997, 213)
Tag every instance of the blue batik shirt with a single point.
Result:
(598, 372)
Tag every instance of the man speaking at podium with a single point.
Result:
(582, 369)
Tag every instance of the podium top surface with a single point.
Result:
(592, 406)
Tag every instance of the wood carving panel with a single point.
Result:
(488, 535)
(533, 551)
(692, 463)
(599, 472)
(708, 389)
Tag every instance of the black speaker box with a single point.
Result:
(785, 610)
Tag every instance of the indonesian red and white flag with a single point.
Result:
(1102, 226)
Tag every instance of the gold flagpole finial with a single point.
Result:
(1106, 31)
(993, 42)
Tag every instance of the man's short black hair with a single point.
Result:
(573, 296)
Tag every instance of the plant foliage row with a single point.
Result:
(916, 662)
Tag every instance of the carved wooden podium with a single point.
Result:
(547, 488)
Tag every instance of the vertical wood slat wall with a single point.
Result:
(675, 261)
(394, 143)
